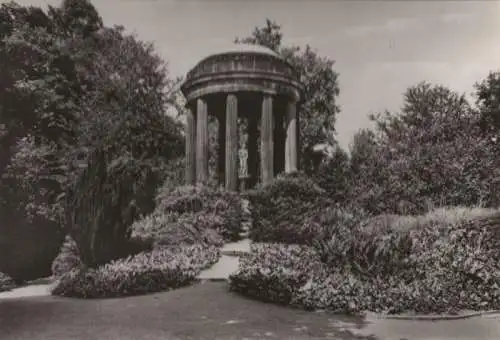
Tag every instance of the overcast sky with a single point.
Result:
(380, 48)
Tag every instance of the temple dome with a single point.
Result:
(234, 48)
(228, 68)
(243, 48)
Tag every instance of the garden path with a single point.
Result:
(209, 311)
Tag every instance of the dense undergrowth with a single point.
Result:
(446, 260)
(181, 237)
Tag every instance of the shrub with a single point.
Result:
(162, 229)
(274, 272)
(444, 261)
(6, 282)
(158, 270)
(204, 202)
(280, 209)
(334, 176)
(68, 258)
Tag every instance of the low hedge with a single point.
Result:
(6, 282)
(147, 272)
(444, 262)
(280, 209)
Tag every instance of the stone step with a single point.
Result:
(242, 246)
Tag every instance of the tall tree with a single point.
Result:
(430, 153)
(488, 102)
(318, 109)
(70, 86)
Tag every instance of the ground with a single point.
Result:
(209, 311)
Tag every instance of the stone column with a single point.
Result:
(291, 145)
(279, 139)
(231, 143)
(190, 148)
(221, 157)
(253, 149)
(266, 140)
(201, 141)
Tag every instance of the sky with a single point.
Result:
(380, 48)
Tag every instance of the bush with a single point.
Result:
(6, 282)
(444, 261)
(280, 209)
(68, 258)
(162, 229)
(158, 270)
(274, 272)
(221, 208)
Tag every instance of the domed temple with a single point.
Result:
(253, 93)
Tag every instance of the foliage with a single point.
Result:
(274, 272)
(6, 282)
(488, 102)
(432, 153)
(101, 208)
(159, 270)
(68, 258)
(170, 229)
(334, 176)
(102, 78)
(444, 261)
(68, 83)
(280, 209)
(217, 206)
(174, 173)
(191, 215)
(318, 108)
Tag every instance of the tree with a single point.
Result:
(37, 96)
(431, 153)
(72, 86)
(488, 102)
(334, 175)
(318, 108)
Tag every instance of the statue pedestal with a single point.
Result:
(244, 183)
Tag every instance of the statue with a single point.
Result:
(243, 157)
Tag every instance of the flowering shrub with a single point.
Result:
(171, 229)
(6, 282)
(221, 208)
(280, 209)
(147, 272)
(274, 272)
(444, 261)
